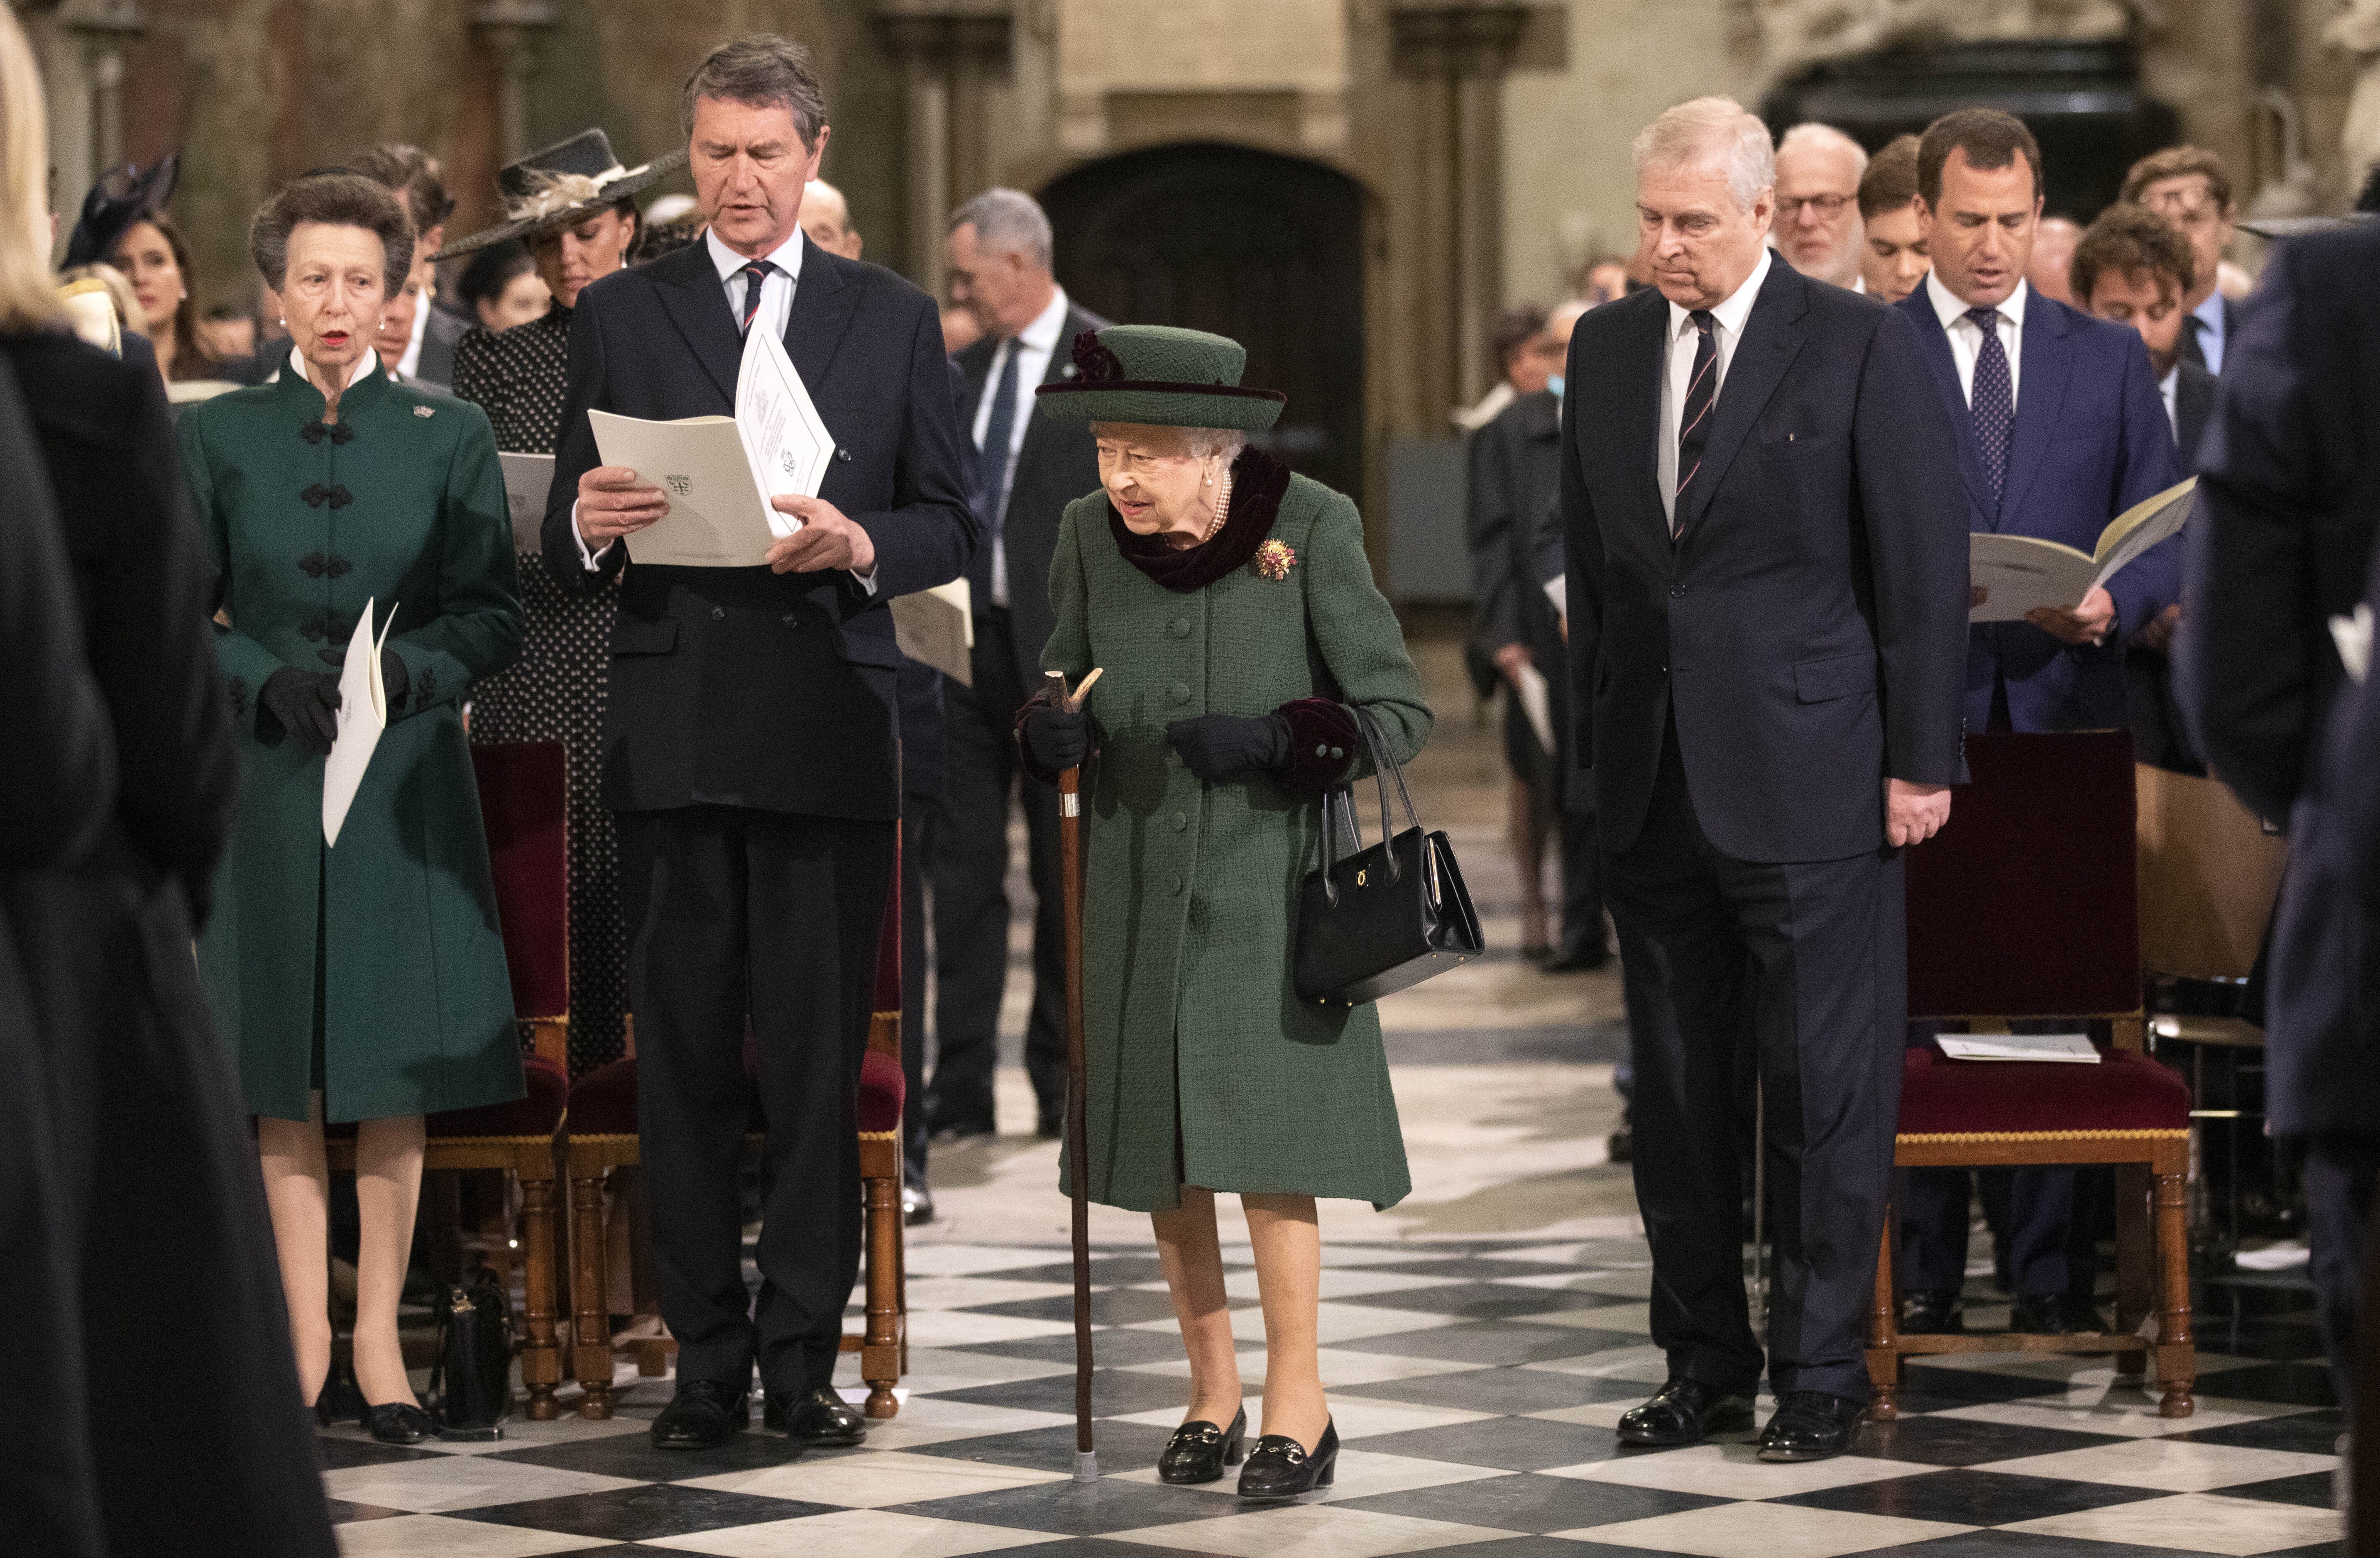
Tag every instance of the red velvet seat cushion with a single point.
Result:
(2124, 1092)
(881, 1090)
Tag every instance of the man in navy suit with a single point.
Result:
(2280, 547)
(2061, 429)
(1767, 590)
(2190, 187)
(751, 740)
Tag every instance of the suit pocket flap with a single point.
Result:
(871, 650)
(637, 635)
(1840, 677)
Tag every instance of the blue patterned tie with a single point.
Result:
(1993, 405)
(991, 475)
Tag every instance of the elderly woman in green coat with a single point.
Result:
(1230, 608)
(363, 981)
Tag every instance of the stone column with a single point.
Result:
(89, 136)
(1461, 50)
(509, 30)
(950, 52)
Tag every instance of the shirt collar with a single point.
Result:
(786, 257)
(1950, 310)
(1041, 335)
(362, 370)
(2210, 313)
(1729, 314)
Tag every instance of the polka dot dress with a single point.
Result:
(554, 691)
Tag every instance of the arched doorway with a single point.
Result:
(1264, 249)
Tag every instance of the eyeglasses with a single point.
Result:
(1828, 206)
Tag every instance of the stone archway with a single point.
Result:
(1265, 249)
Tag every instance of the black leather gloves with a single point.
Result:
(1057, 739)
(307, 704)
(395, 680)
(1217, 745)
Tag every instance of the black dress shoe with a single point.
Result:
(916, 1203)
(817, 1418)
(704, 1413)
(1200, 1451)
(1051, 1125)
(2054, 1314)
(1810, 1425)
(1928, 1312)
(1684, 1412)
(1279, 1466)
(398, 1422)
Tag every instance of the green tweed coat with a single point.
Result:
(1204, 1067)
(392, 934)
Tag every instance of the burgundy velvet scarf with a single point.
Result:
(1258, 482)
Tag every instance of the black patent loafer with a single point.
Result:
(816, 1418)
(2056, 1314)
(1684, 1412)
(399, 1422)
(704, 1413)
(916, 1203)
(1810, 1425)
(1200, 1451)
(1280, 1468)
(1930, 1314)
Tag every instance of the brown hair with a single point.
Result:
(340, 199)
(1890, 181)
(414, 174)
(2179, 161)
(1515, 327)
(2125, 239)
(1990, 138)
(764, 70)
(191, 358)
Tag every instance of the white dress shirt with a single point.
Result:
(2209, 315)
(1727, 332)
(1033, 346)
(1967, 338)
(2169, 387)
(409, 364)
(355, 375)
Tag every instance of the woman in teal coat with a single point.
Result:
(363, 981)
(1232, 612)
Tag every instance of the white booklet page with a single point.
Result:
(363, 715)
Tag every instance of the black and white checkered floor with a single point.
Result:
(1475, 1385)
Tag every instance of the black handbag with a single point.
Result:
(1383, 919)
(475, 1358)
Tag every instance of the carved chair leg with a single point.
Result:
(540, 1351)
(2136, 1284)
(591, 1319)
(2177, 1352)
(880, 1355)
(1884, 1332)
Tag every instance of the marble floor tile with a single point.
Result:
(438, 1536)
(1740, 1530)
(1311, 1531)
(2194, 1522)
(857, 1532)
(1733, 1471)
(875, 1480)
(2165, 1464)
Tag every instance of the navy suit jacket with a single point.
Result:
(1807, 627)
(739, 686)
(2091, 440)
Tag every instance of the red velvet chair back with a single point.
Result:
(2026, 904)
(525, 804)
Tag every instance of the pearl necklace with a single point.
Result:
(1222, 507)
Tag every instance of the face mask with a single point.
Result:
(1554, 382)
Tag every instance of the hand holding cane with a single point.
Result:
(1070, 856)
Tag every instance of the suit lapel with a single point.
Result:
(1919, 305)
(697, 304)
(2040, 396)
(1772, 339)
(1643, 359)
(822, 307)
(1057, 371)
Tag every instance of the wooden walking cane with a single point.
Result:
(1070, 859)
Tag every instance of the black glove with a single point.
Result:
(1058, 739)
(395, 680)
(307, 704)
(1217, 745)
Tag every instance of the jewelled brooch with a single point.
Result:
(1275, 559)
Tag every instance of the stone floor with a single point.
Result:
(1480, 1341)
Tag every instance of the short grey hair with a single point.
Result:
(1209, 442)
(1813, 134)
(1010, 221)
(764, 70)
(1711, 130)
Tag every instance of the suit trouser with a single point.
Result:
(1581, 857)
(2340, 1172)
(969, 869)
(733, 912)
(1804, 963)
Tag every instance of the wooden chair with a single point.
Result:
(2209, 876)
(524, 805)
(2024, 906)
(603, 1137)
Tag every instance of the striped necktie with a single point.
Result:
(1695, 415)
(756, 276)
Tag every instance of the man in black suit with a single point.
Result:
(1025, 470)
(1767, 614)
(2280, 547)
(751, 742)
(2190, 187)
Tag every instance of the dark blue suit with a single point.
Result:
(1741, 692)
(2282, 543)
(2091, 440)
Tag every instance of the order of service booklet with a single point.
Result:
(526, 477)
(936, 627)
(2020, 574)
(720, 472)
(363, 715)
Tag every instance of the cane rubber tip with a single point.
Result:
(1087, 1466)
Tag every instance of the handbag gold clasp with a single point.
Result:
(1359, 879)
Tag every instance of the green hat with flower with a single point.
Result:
(1161, 376)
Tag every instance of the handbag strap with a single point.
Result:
(1339, 809)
